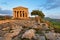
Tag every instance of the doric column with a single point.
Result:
(16, 14)
(19, 14)
(25, 14)
(22, 13)
(13, 14)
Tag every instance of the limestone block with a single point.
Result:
(29, 34)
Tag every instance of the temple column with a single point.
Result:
(16, 14)
(22, 14)
(13, 14)
(19, 14)
(26, 14)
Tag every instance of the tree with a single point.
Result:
(38, 12)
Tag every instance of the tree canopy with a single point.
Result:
(38, 12)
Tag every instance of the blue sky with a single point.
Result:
(51, 8)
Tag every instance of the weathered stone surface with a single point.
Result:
(19, 29)
(29, 34)
(50, 36)
(1, 38)
(15, 31)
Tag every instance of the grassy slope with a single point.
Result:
(55, 23)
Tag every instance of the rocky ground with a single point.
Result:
(25, 30)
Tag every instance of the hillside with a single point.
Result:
(55, 23)
(26, 30)
(22, 30)
(51, 19)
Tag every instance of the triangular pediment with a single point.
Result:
(20, 7)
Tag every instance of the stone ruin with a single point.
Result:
(16, 29)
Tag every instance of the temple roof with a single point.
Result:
(20, 7)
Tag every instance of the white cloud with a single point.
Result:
(5, 12)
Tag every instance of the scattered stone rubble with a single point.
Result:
(26, 30)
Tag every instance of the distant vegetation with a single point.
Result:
(55, 23)
(5, 17)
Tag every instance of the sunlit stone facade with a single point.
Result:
(20, 13)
